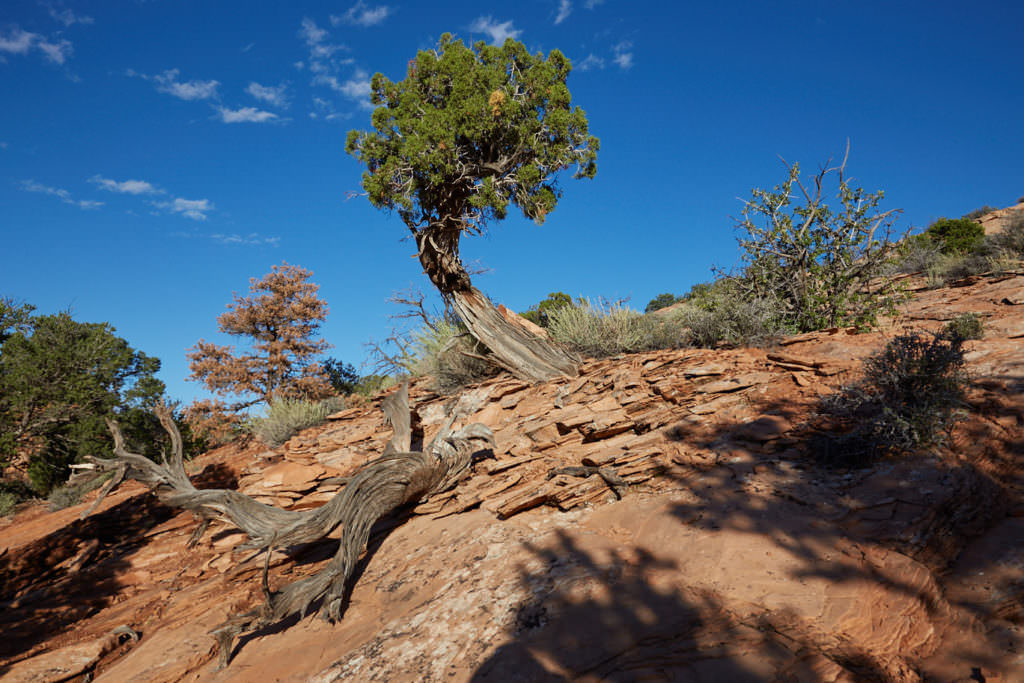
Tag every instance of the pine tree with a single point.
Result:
(281, 319)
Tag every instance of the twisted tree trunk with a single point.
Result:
(514, 346)
(397, 478)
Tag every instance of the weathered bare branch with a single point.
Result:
(397, 478)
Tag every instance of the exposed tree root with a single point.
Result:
(397, 478)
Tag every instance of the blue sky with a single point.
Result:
(156, 155)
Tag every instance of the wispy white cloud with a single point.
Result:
(60, 193)
(271, 95)
(591, 61)
(361, 14)
(325, 109)
(18, 41)
(248, 47)
(57, 52)
(312, 33)
(125, 186)
(357, 87)
(623, 54)
(246, 115)
(168, 82)
(196, 209)
(564, 10)
(68, 17)
(252, 239)
(591, 4)
(499, 33)
(326, 67)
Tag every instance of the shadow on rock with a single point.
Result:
(606, 616)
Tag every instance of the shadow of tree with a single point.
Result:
(43, 590)
(54, 583)
(616, 616)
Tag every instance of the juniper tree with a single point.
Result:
(468, 132)
(59, 379)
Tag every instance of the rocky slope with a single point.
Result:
(706, 546)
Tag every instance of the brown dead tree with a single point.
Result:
(399, 477)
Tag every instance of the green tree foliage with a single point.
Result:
(58, 380)
(539, 313)
(468, 132)
(14, 317)
(342, 376)
(471, 130)
(661, 301)
(817, 259)
(956, 235)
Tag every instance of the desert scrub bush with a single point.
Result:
(956, 235)
(979, 212)
(8, 501)
(287, 416)
(72, 493)
(915, 254)
(1011, 238)
(606, 329)
(910, 396)
(998, 253)
(818, 260)
(965, 326)
(719, 313)
(445, 350)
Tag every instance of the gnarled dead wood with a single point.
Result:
(397, 478)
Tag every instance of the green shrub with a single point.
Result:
(964, 327)
(286, 417)
(538, 314)
(911, 394)
(999, 253)
(72, 493)
(818, 259)
(956, 235)
(662, 301)
(601, 329)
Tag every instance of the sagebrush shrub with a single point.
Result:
(287, 416)
(911, 393)
(720, 312)
(601, 329)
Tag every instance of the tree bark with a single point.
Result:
(395, 479)
(515, 347)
